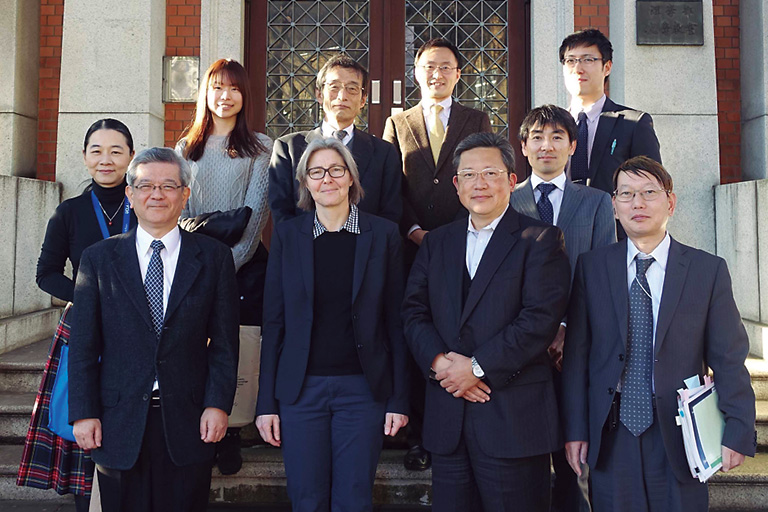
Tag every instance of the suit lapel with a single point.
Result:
(453, 254)
(674, 280)
(125, 264)
(418, 128)
(187, 269)
(523, 201)
(502, 241)
(572, 198)
(317, 133)
(605, 127)
(455, 124)
(362, 149)
(362, 251)
(307, 254)
(617, 277)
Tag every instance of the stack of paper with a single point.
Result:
(703, 424)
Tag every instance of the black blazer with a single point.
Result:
(377, 163)
(377, 292)
(512, 312)
(698, 326)
(632, 131)
(195, 360)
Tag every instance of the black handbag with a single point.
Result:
(226, 227)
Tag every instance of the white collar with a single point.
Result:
(171, 240)
(428, 103)
(492, 226)
(660, 253)
(593, 111)
(328, 129)
(559, 181)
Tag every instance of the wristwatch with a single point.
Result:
(476, 370)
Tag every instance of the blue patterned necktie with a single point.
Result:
(546, 212)
(636, 409)
(579, 161)
(153, 286)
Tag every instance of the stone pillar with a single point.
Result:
(551, 22)
(754, 89)
(115, 71)
(19, 65)
(676, 85)
(222, 32)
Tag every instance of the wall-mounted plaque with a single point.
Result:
(678, 22)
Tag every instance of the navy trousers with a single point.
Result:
(331, 440)
(633, 474)
(470, 480)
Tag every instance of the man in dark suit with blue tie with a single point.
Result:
(483, 302)
(609, 133)
(548, 138)
(645, 314)
(342, 90)
(154, 346)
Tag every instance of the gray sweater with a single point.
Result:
(223, 183)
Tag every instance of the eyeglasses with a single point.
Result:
(335, 87)
(335, 171)
(650, 194)
(165, 188)
(571, 62)
(488, 174)
(444, 70)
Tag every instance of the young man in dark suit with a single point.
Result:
(154, 347)
(548, 138)
(608, 133)
(342, 90)
(425, 137)
(645, 314)
(483, 302)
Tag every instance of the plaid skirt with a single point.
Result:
(48, 461)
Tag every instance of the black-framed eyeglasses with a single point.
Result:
(586, 61)
(165, 188)
(335, 171)
(444, 70)
(650, 194)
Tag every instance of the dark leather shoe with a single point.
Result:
(228, 457)
(417, 459)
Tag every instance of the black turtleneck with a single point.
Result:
(71, 229)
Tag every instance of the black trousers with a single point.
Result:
(155, 483)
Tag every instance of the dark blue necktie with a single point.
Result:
(153, 286)
(636, 410)
(546, 212)
(579, 161)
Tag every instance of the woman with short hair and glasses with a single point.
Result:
(333, 356)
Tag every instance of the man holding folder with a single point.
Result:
(645, 314)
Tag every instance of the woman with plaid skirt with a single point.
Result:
(102, 210)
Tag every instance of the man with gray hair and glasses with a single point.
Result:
(154, 344)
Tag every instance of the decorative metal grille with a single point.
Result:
(479, 30)
(301, 36)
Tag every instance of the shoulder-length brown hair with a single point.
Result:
(242, 142)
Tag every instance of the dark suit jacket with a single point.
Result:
(511, 314)
(111, 320)
(698, 326)
(632, 130)
(586, 216)
(377, 292)
(430, 197)
(377, 163)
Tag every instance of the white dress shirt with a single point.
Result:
(555, 197)
(655, 276)
(329, 130)
(169, 255)
(593, 117)
(477, 241)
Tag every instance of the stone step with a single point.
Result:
(758, 371)
(744, 488)
(10, 456)
(21, 369)
(15, 412)
(761, 408)
(21, 330)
